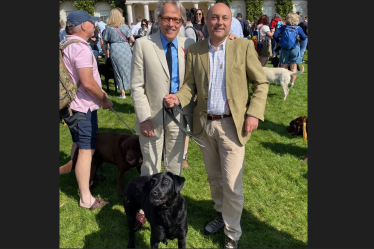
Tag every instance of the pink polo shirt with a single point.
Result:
(78, 55)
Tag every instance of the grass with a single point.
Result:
(275, 184)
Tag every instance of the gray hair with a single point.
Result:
(160, 5)
(276, 15)
(71, 28)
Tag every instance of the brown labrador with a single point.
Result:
(296, 128)
(118, 149)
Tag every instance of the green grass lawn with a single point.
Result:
(275, 184)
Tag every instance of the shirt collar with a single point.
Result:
(165, 42)
(221, 46)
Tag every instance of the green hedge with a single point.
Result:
(283, 7)
(88, 5)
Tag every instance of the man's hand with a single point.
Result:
(232, 36)
(171, 100)
(146, 128)
(107, 103)
(251, 124)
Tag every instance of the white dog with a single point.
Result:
(281, 76)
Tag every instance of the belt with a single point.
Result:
(215, 117)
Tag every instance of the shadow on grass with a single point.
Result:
(282, 149)
(278, 128)
(255, 233)
(113, 231)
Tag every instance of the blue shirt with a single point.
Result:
(236, 28)
(174, 54)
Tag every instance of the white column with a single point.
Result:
(196, 5)
(210, 4)
(146, 11)
(129, 13)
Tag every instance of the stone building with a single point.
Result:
(146, 9)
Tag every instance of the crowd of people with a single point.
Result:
(168, 65)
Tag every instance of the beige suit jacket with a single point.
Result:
(150, 79)
(242, 68)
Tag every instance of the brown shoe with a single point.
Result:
(97, 204)
(184, 164)
(140, 220)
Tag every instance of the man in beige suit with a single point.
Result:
(153, 77)
(218, 70)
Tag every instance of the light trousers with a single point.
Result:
(224, 162)
(152, 148)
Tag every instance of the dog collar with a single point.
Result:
(305, 135)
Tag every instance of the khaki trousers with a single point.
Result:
(224, 162)
(152, 148)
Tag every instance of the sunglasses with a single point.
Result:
(144, 24)
(167, 19)
(198, 14)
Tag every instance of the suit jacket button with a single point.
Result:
(167, 80)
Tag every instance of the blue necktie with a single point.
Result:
(170, 62)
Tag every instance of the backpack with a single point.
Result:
(198, 33)
(67, 88)
(256, 38)
(280, 23)
(246, 30)
(288, 38)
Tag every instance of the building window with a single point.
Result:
(268, 11)
(235, 10)
(104, 14)
(151, 13)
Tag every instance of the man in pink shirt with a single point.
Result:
(82, 120)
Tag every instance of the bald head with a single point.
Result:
(218, 23)
(219, 5)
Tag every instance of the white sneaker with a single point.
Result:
(291, 85)
(122, 97)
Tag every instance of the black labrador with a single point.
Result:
(106, 69)
(163, 205)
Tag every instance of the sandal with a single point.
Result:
(97, 204)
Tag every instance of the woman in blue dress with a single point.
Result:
(118, 36)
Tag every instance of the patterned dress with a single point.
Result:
(120, 54)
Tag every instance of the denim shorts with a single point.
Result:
(83, 127)
(290, 56)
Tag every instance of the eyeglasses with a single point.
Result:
(92, 22)
(167, 19)
(198, 14)
(144, 24)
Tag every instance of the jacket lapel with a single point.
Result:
(160, 51)
(181, 60)
(204, 56)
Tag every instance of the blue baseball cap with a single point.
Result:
(80, 16)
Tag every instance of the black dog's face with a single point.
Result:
(164, 187)
(296, 126)
(131, 148)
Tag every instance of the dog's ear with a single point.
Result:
(178, 181)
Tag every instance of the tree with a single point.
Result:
(254, 9)
(283, 7)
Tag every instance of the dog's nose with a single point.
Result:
(154, 193)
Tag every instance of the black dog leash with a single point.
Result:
(123, 121)
(169, 112)
(184, 130)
